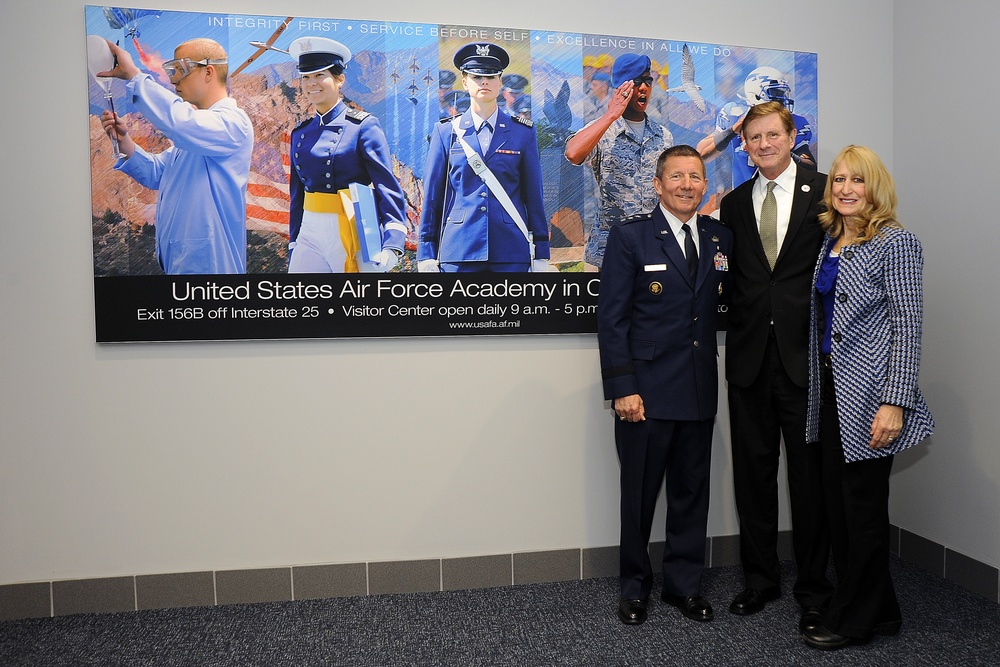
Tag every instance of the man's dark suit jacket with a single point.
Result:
(761, 296)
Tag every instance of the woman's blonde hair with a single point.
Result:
(880, 191)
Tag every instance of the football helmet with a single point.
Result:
(767, 84)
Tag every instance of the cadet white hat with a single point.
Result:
(316, 54)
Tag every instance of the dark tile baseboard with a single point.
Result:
(969, 573)
(305, 582)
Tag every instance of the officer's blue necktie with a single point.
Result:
(485, 135)
(691, 251)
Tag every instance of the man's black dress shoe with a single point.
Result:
(752, 600)
(812, 618)
(694, 607)
(632, 612)
(821, 638)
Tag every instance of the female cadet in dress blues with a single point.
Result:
(336, 147)
(864, 403)
(483, 181)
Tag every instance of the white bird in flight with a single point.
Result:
(687, 81)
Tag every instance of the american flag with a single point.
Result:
(267, 200)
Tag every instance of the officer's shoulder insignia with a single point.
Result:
(356, 115)
(522, 121)
(638, 217)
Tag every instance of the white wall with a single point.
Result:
(947, 172)
(167, 458)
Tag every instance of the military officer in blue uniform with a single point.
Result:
(333, 149)
(483, 207)
(663, 276)
(451, 101)
(513, 100)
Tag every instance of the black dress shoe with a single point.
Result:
(632, 612)
(821, 638)
(888, 628)
(812, 618)
(752, 600)
(694, 607)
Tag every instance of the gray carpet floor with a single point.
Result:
(567, 623)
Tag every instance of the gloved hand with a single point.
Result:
(385, 260)
(728, 115)
(428, 266)
(541, 266)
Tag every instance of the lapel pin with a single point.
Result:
(715, 239)
(805, 188)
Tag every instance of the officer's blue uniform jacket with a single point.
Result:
(476, 228)
(350, 148)
(655, 329)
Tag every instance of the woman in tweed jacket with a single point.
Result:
(864, 403)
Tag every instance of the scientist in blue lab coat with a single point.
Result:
(483, 206)
(329, 151)
(201, 181)
(664, 274)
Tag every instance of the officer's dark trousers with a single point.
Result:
(680, 451)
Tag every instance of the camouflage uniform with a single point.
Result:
(624, 167)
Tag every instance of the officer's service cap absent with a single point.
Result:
(482, 58)
(316, 54)
(628, 67)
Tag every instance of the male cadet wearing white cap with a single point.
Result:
(201, 181)
(483, 206)
(331, 150)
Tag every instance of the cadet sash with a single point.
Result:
(479, 167)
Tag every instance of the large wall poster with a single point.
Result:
(402, 74)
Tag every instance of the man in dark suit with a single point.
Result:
(776, 238)
(664, 273)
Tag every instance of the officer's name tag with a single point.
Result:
(655, 267)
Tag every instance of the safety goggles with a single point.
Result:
(179, 68)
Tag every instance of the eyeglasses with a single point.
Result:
(639, 80)
(179, 68)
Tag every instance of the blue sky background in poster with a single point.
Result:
(395, 74)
